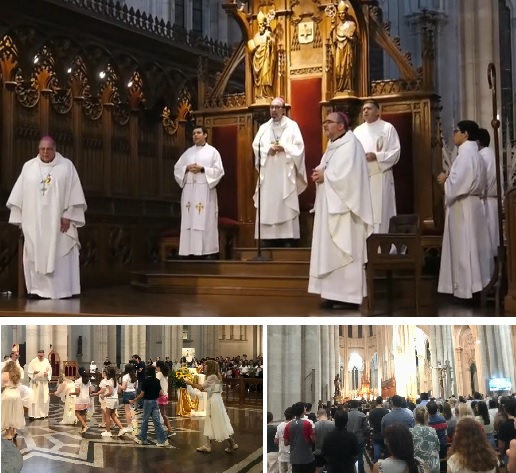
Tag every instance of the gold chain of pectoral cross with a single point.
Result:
(199, 207)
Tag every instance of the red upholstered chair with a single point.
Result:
(398, 250)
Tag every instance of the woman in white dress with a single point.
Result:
(66, 392)
(82, 397)
(12, 406)
(216, 425)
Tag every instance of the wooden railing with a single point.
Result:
(247, 391)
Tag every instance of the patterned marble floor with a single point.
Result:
(49, 447)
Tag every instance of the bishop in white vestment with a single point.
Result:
(280, 148)
(40, 373)
(343, 218)
(48, 202)
(198, 171)
(381, 144)
(466, 252)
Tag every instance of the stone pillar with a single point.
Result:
(31, 342)
(494, 362)
(311, 360)
(7, 339)
(481, 359)
(459, 367)
(60, 342)
(276, 370)
(44, 338)
(334, 356)
(507, 353)
(111, 353)
(433, 360)
(292, 377)
(327, 350)
(479, 45)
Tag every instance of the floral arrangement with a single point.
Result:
(179, 376)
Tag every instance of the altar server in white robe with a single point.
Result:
(48, 203)
(491, 201)
(343, 219)
(466, 251)
(40, 373)
(198, 171)
(382, 147)
(279, 144)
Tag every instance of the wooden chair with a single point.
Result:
(398, 250)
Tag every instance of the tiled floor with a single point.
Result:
(48, 447)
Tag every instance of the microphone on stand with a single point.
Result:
(259, 256)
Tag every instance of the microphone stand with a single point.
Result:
(259, 256)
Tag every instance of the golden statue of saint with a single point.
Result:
(343, 37)
(262, 49)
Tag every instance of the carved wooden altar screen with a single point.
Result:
(115, 89)
(300, 49)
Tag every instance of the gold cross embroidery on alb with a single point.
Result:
(199, 207)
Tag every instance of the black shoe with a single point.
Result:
(338, 305)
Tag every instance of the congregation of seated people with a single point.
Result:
(396, 435)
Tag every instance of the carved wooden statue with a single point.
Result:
(343, 38)
(263, 51)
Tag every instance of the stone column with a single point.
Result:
(481, 359)
(326, 360)
(507, 353)
(459, 367)
(45, 338)
(334, 357)
(31, 342)
(292, 377)
(276, 370)
(433, 360)
(7, 339)
(60, 341)
(311, 360)
(479, 45)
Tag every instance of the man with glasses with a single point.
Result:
(382, 147)
(466, 253)
(343, 219)
(48, 204)
(279, 153)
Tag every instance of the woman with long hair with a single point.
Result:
(399, 441)
(66, 392)
(82, 397)
(12, 406)
(217, 425)
(162, 376)
(111, 397)
(426, 441)
(128, 387)
(470, 450)
(487, 421)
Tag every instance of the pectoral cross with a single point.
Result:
(188, 205)
(199, 207)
